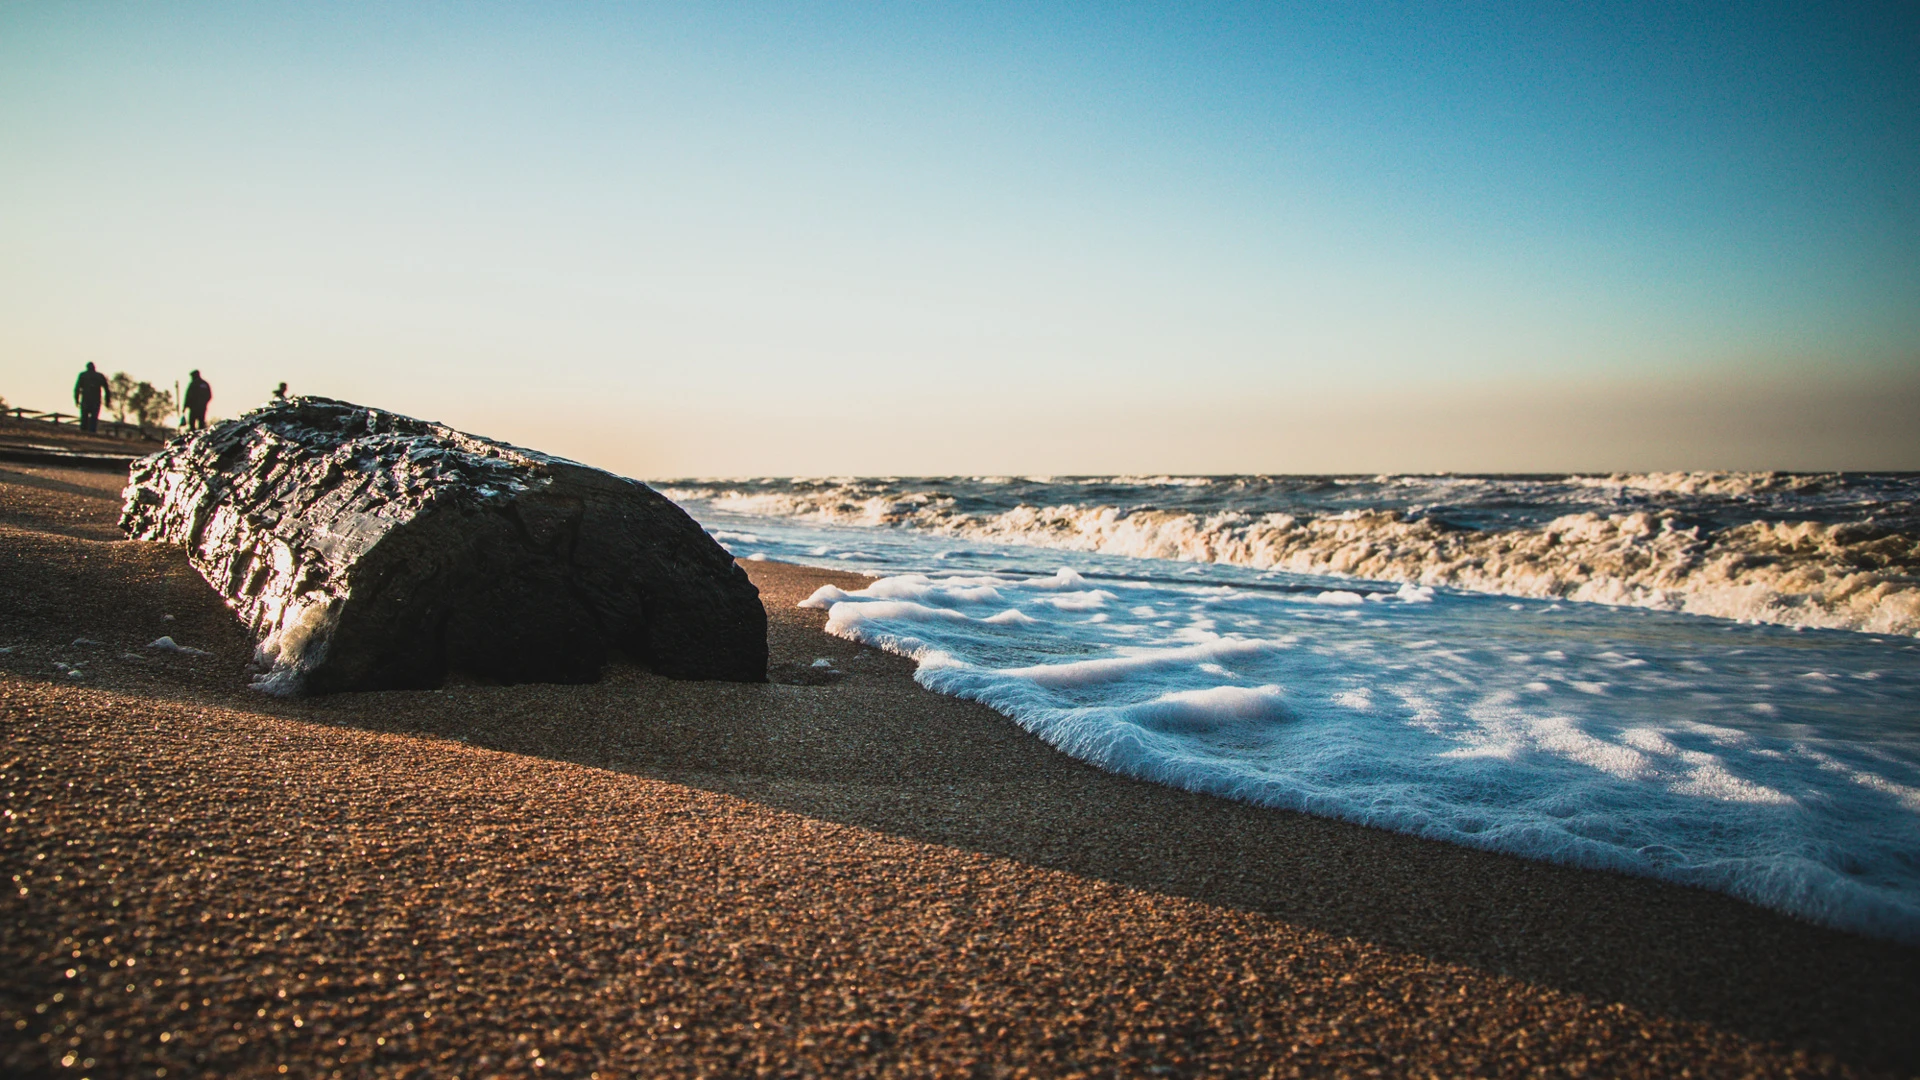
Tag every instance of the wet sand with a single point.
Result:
(837, 874)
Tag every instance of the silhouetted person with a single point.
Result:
(199, 392)
(280, 392)
(88, 392)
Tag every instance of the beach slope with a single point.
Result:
(834, 874)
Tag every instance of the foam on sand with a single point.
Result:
(1778, 767)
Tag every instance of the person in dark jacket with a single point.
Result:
(89, 391)
(199, 393)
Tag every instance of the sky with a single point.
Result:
(805, 239)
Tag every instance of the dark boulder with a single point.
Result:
(369, 551)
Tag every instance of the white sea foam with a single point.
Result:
(1779, 768)
(1711, 483)
(167, 644)
(1796, 573)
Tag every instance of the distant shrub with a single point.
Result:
(149, 404)
(121, 387)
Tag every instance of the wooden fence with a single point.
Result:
(111, 428)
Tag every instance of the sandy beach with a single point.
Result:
(834, 874)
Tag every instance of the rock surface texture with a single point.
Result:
(372, 551)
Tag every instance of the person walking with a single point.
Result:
(89, 391)
(199, 393)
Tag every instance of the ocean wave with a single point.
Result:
(1669, 751)
(1846, 576)
(1725, 484)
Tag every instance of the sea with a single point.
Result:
(1709, 678)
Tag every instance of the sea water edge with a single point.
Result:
(1779, 764)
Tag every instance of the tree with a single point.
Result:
(149, 404)
(121, 386)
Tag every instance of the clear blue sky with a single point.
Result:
(922, 238)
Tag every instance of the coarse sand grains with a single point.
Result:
(835, 874)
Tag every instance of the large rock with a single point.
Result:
(372, 551)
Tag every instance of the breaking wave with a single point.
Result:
(1829, 551)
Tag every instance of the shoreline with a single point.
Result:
(1719, 551)
(839, 872)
